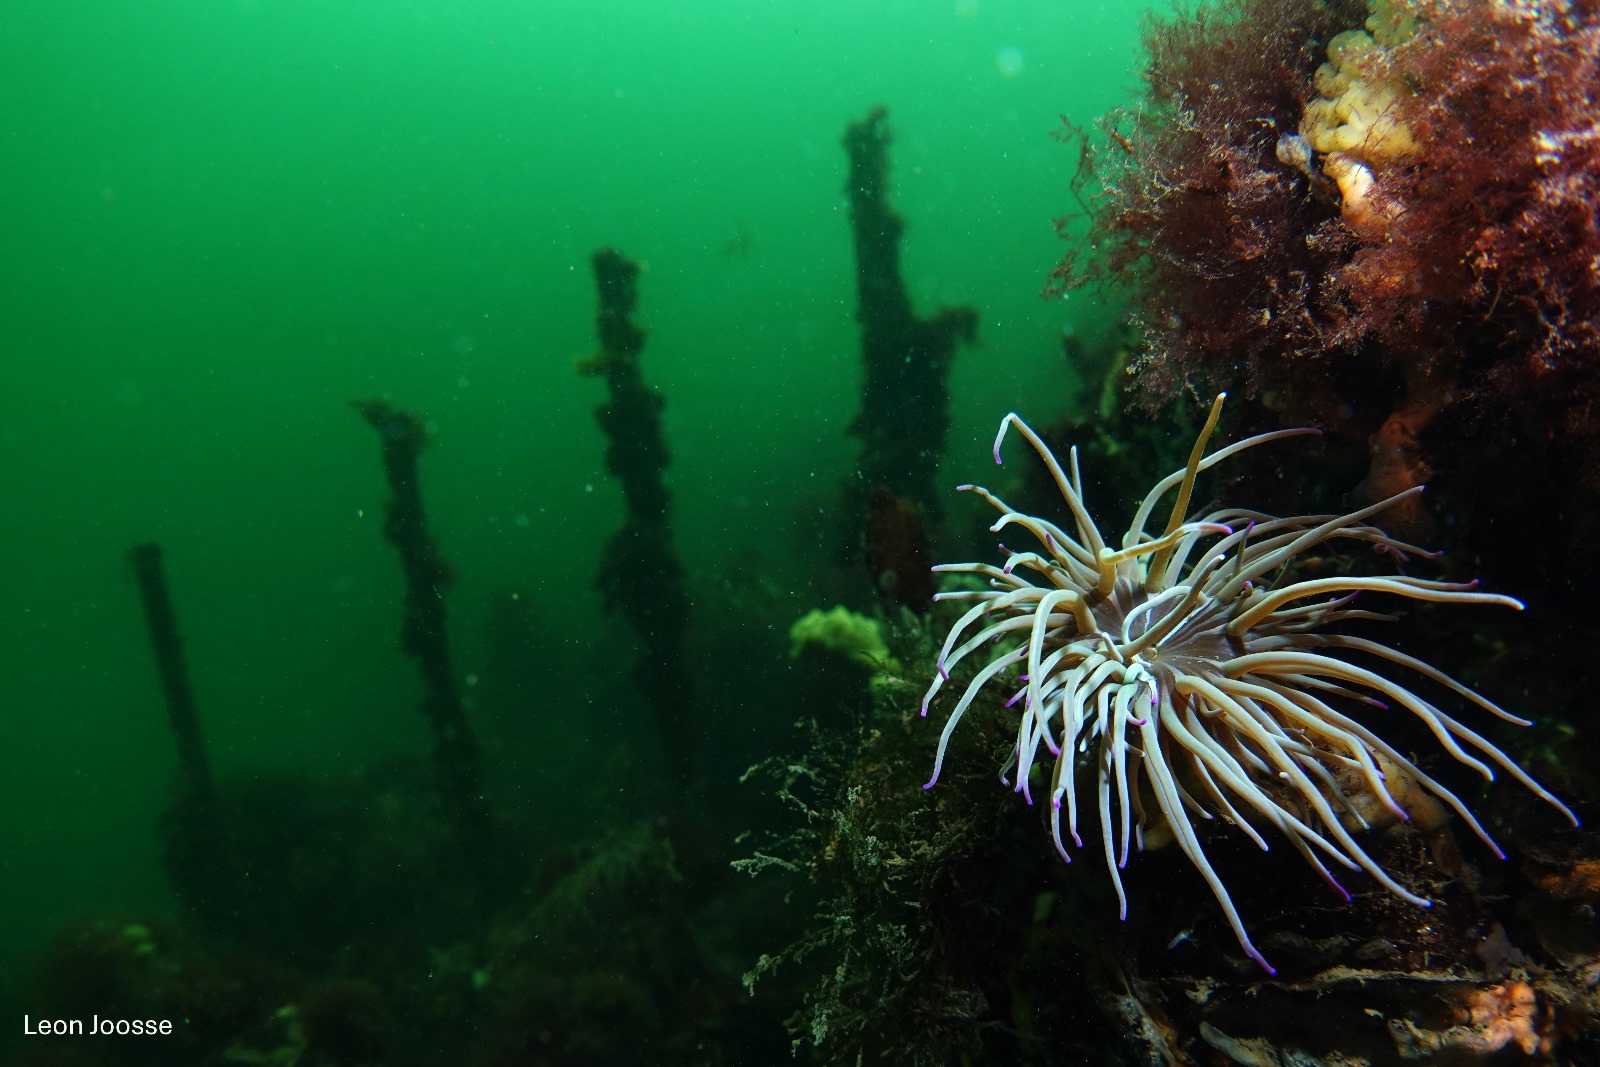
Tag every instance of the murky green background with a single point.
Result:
(221, 221)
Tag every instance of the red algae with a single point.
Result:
(1461, 267)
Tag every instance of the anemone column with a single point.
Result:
(641, 575)
(423, 636)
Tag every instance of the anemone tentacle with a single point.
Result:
(1179, 675)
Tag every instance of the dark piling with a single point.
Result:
(641, 575)
(197, 850)
(423, 634)
(198, 790)
(904, 417)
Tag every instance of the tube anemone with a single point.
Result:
(1186, 677)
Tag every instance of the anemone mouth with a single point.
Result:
(1197, 639)
(1165, 672)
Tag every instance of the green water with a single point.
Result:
(219, 222)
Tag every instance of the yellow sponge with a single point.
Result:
(1355, 122)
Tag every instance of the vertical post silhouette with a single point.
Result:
(423, 635)
(641, 575)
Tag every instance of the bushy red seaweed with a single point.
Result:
(1483, 285)
(1193, 208)
(1496, 255)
